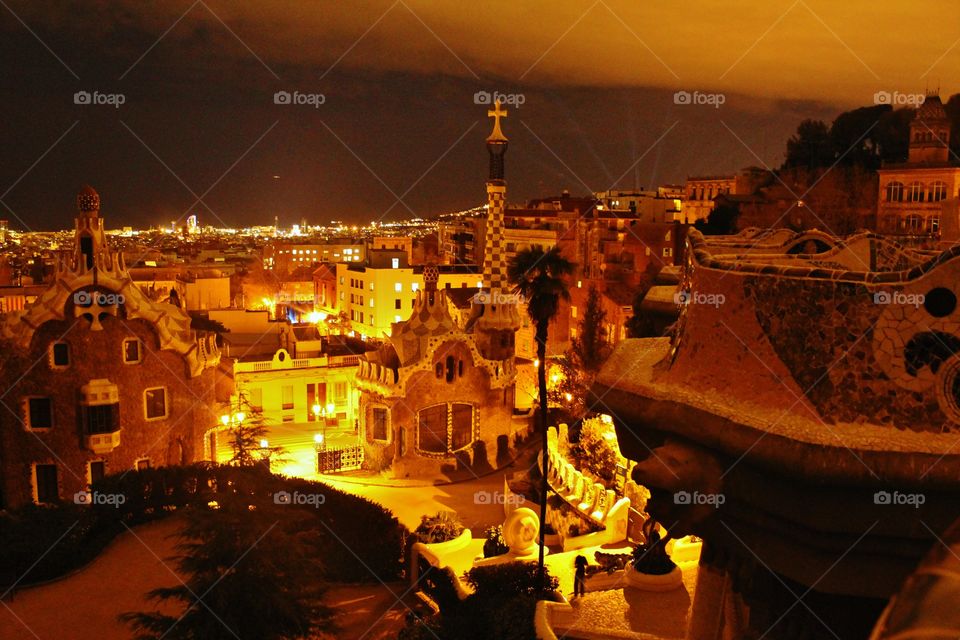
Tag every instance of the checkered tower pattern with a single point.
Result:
(495, 257)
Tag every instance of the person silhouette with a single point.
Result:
(579, 576)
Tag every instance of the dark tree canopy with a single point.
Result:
(590, 344)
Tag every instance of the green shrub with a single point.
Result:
(651, 557)
(594, 453)
(494, 544)
(342, 519)
(441, 527)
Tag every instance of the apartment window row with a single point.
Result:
(915, 223)
(930, 136)
(60, 356)
(102, 417)
(916, 192)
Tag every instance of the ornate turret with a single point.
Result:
(430, 319)
(930, 133)
(90, 249)
(494, 318)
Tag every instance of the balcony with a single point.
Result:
(101, 443)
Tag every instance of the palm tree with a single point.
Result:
(541, 278)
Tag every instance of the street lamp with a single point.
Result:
(318, 412)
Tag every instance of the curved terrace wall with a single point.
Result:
(831, 345)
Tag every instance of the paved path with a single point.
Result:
(85, 605)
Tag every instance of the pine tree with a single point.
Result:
(251, 571)
(590, 344)
(247, 434)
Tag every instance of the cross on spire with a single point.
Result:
(496, 113)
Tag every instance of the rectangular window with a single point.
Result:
(96, 470)
(155, 403)
(340, 392)
(461, 420)
(287, 397)
(131, 351)
(379, 416)
(398, 287)
(101, 418)
(432, 429)
(45, 482)
(60, 354)
(143, 464)
(395, 263)
(396, 303)
(39, 413)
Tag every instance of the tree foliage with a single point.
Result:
(595, 453)
(590, 345)
(248, 434)
(252, 571)
(640, 325)
(810, 146)
(722, 221)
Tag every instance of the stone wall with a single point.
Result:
(95, 355)
(858, 346)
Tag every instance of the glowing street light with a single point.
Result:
(264, 444)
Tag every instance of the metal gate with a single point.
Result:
(339, 459)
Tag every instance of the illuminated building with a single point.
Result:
(284, 257)
(912, 194)
(440, 393)
(377, 294)
(100, 378)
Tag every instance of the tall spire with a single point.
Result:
(496, 142)
(494, 258)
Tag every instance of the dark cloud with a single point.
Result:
(399, 98)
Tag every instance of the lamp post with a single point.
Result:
(228, 420)
(318, 414)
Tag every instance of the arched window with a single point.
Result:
(938, 191)
(934, 224)
(895, 192)
(915, 193)
(450, 370)
(460, 368)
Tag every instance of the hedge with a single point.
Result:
(362, 541)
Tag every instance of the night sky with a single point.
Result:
(399, 133)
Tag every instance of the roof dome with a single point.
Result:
(88, 200)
